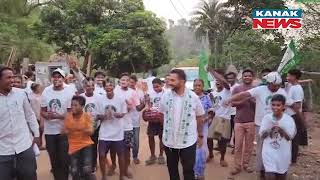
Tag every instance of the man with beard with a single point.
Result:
(182, 128)
(55, 103)
(244, 125)
(17, 158)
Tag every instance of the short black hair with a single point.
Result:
(248, 71)
(279, 98)
(4, 68)
(88, 79)
(156, 81)
(134, 77)
(124, 74)
(99, 73)
(111, 81)
(29, 74)
(181, 74)
(81, 100)
(295, 72)
(34, 86)
(266, 70)
(200, 80)
(154, 73)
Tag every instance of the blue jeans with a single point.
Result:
(21, 166)
(135, 149)
(81, 164)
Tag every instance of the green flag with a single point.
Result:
(290, 59)
(203, 74)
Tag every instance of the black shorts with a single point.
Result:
(128, 139)
(155, 129)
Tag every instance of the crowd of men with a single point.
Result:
(101, 122)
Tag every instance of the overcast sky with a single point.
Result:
(164, 8)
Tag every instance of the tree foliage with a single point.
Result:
(16, 32)
(120, 35)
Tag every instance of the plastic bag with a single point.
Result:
(200, 164)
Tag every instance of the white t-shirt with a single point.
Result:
(233, 109)
(136, 115)
(56, 101)
(263, 97)
(112, 130)
(296, 94)
(129, 96)
(155, 99)
(197, 110)
(99, 90)
(219, 99)
(276, 151)
(91, 107)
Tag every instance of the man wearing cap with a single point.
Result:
(17, 158)
(263, 96)
(55, 102)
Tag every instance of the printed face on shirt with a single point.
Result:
(90, 107)
(110, 108)
(89, 87)
(55, 105)
(76, 108)
(157, 87)
(57, 80)
(124, 81)
(7, 80)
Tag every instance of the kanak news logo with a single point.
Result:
(277, 19)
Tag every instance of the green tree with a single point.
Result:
(120, 35)
(250, 48)
(213, 21)
(16, 20)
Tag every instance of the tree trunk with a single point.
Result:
(133, 68)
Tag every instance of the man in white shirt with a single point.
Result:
(55, 103)
(91, 107)
(132, 102)
(222, 113)
(231, 78)
(136, 117)
(295, 92)
(182, 128)
(99, 77)
(112, 109)
(263, 96)
(17, 158)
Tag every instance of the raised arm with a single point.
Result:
(219, 77)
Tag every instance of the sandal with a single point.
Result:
(248, 169)
(161, 160)
(151, 161)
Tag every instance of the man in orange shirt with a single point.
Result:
(78, 128)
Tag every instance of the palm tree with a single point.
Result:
(213, 21)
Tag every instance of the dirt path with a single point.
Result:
(307, 168)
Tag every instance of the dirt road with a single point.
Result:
(155, 172)
(306, 169)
